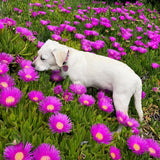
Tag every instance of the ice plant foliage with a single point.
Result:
(46, 152)
(18, 152)
(101, 133)
(10, 96)
(60, 123)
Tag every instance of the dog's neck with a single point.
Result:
(65, 66)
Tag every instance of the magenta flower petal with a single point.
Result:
(115, 153)
(101, 133)
(27, 74)
(3, 68)
(10, 96)
(50, 104)
(18, 152)
(153, 148)
(87, 100)
(67, 96)
(46, 152)
(131, 122)
(35, 96)
(78, 89)
(60, 123)
(26, 64)
(6, 81)
(137, 144)
(58, 89)
(121, 117)
(155, 65)
(105, 105)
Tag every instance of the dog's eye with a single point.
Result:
(42, 59)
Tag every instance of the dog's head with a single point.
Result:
(50, 56)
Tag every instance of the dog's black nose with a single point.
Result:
(33, 65)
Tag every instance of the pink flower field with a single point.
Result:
(46, 117)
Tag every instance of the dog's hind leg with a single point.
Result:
(121, 102)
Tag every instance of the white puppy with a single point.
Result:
(93, 70)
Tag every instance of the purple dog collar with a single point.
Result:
(65, 66)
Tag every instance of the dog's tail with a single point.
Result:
(138, 99)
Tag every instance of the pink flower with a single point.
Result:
(50, 104)
(3, 68)
(88, 25)
(116, 44)
(56, 76)
(27, 75)
(1, 25)
(79, 36)
(35, 96)
(87, 100)
(6, 58)
(101, 133)
(58, 89)
(115, 153)
(26, 64)
(121, 117)
(153, 148)
(78, 89)
(105, 105)
(10, 96)
(60, 123)
(46, 152)
(137, 144)
(6, 81)
(18, 152)
(43, 22)
(112, 39)
(131, 122)
(67, 96)
(56, 37)
(34, 14)
(155, 65)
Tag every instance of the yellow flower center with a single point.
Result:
(50, 107)
(59, 125)
(136, 147)
(28, 76)
(99, 136)
(26, 66)
(86, 102)
(113, 155)
(151, 150)
(10, 99)
(35, 98)
(19, 156)
(0, 71)
(45, 158)
(121, 119)
(130, 123)
(104, 107)
(5, 61)
(4, 84)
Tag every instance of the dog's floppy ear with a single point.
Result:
(60, 55)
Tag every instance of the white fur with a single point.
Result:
(92, 70)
